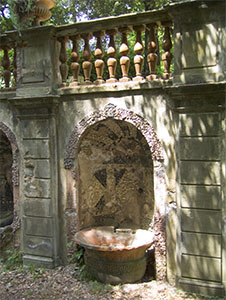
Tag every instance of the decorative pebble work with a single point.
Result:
(12, 139)
(112, 111)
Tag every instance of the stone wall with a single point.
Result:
(138, 154)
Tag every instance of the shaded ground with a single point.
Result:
(67, 283)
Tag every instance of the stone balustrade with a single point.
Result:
(8, 68)
(105, 49)
(108, 39)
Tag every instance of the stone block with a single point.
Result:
(203, 287)
(33, 64)
(199, 124)
(205, 221)
(200, 172)
(38, 62)
(40, 188)
(201, 244)
(38, 226)
(36, 149)
(35, 128)
(42, 169)
(201, 267)
(34, 168)
(199, 46)
(200, 75)
(39, 261)
(38, 246)
(196, 196)
(37, 207)
(199, 148)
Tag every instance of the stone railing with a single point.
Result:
(114, 32)
(8, 69)
(109, 28)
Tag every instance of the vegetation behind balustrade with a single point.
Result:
(128, 47)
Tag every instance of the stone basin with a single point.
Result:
(115, 255)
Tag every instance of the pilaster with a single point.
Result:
(39, 178)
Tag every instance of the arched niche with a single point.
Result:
(124, 125)
(9, 180)
(6, 183)
(115, 170)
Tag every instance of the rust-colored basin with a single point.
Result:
(115, 256)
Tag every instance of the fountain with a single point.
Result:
(115, 255)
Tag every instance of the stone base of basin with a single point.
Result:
(115, 256)
(114, 272)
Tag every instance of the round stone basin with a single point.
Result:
(115, 255)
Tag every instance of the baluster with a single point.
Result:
(75, 66)
(167, 56)
(138, 49)
(111, 53)
(6, 66)
(87, 65)
(124, 51)
(15, 65)
(99, 63)
(152, 47)
(63, 59)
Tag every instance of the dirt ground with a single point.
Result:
(68, 283)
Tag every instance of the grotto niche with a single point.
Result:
(6, 184)
(115, 170)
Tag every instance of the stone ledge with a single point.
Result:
(40, 261)
(115, 87)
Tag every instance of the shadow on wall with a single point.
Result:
(200, 190)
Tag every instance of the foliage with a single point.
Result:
(12, 14)
(68, 11)
(97, 287)
(76, 254)
(11, 54)
(12, 260)
(76, 257)
(93, 9)
(21, 7)
(36, 272)
(5, 20)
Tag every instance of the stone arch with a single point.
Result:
(115, 113)
(15, 151)
(112, 111)
(9, 139)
